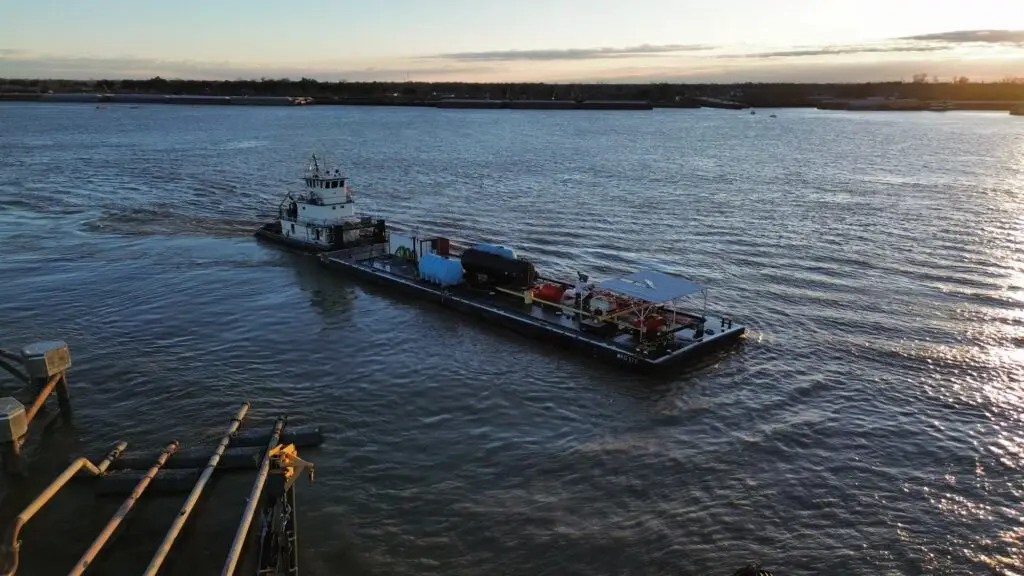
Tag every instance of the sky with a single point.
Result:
(514, 41)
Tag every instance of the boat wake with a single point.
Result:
(163, 222)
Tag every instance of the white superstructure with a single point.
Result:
(323, 214)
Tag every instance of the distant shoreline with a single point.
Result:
(895, 105)
(902, 96)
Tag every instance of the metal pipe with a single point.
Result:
(104, 535)
(186, 508)
(43, 395)
(14, 545)
(250, 505)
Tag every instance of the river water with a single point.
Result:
(871, 422)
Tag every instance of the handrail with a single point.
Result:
(186, 508)
(14, 545)
(108, 530)
(254, 498)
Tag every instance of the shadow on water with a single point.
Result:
(331, 296)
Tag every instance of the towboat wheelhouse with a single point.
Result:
(322, 216)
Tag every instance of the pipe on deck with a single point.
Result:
(186, 508)
(250, 505)
(108, 530)
(14, 546)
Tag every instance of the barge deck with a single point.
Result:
(600, 335)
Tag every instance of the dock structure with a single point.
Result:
(41, 368)
(43, 372)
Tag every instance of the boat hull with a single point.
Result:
(272, 233)
(530, 326)
(466, 302)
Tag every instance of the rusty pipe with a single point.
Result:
(250, 505)
(14, 545)
(190, 502)
(43, 395)
(108, 530)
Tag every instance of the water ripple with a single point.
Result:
(869, 423)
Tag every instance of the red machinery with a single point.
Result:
(549, 293)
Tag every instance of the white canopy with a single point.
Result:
(654, 287)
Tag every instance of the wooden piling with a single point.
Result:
(243, 458)
(13, 463)
(243, 445)
(64, 398)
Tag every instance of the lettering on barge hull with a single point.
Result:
(626, 358)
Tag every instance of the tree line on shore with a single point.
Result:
(754, 94)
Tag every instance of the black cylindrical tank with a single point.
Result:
(498, 269)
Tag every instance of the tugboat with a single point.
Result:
(636, 320)
(323, 215)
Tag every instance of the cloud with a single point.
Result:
(738, 71)
(937, 54)
(22, 64)
(922, 43)
(574, 53)
(1005, 37)
(838, 50)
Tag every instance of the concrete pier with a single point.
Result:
(43, 372)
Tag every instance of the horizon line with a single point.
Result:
(953, 80)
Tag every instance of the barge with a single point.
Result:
(637, 320)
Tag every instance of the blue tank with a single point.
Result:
(497, 249)
(440, 270)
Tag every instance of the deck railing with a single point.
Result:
(357, 253)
